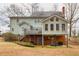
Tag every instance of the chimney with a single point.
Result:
(63, 10)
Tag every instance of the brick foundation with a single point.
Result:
(48, 40)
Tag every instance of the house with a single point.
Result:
(49, 28)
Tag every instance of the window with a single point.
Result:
(46, 27)
(63, 27)
(17, 20)
(52, 19)
(12, 29)
(31, 27)
(57, 26)
(35, 20)
(57, 19)
(51, 26)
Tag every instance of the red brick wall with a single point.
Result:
(61, 38)
(48, 40)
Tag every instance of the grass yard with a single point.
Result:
(12, 49)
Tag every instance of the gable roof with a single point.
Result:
(46, 13)
(61, 18)
(25, 17)
(40, 14)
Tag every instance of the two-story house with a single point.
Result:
(47, 28)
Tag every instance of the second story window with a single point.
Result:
(46, 27)
(17, 20)
(63, 27)
(57, 27)
(31, 27)
(51, 27)
(52, 19)
(57, 19)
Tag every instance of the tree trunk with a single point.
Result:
(70, 29)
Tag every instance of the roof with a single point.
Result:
(61, 18)
(40, 14)
(25, 17)
(46, 13)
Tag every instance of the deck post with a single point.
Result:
(67, 41)
(42, 41)
(42, 37)
(55, 40)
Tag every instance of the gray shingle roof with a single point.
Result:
(46, 13)
(42, 14)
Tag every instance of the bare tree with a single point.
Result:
(55, 7)
(14, 10)
(34, 7)
(20, 9)
(72, 14)
(74, 32)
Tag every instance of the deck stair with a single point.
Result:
(22, 37)
(74, 41)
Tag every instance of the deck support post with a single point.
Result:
(67, 42)
(29, 38)
(42, 37)
(55, 40)
(42, 41)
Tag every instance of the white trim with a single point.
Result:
(61, 18)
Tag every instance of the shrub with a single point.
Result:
(8, 36)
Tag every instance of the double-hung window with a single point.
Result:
(57, 27)
(46, 27)
(51, 27)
